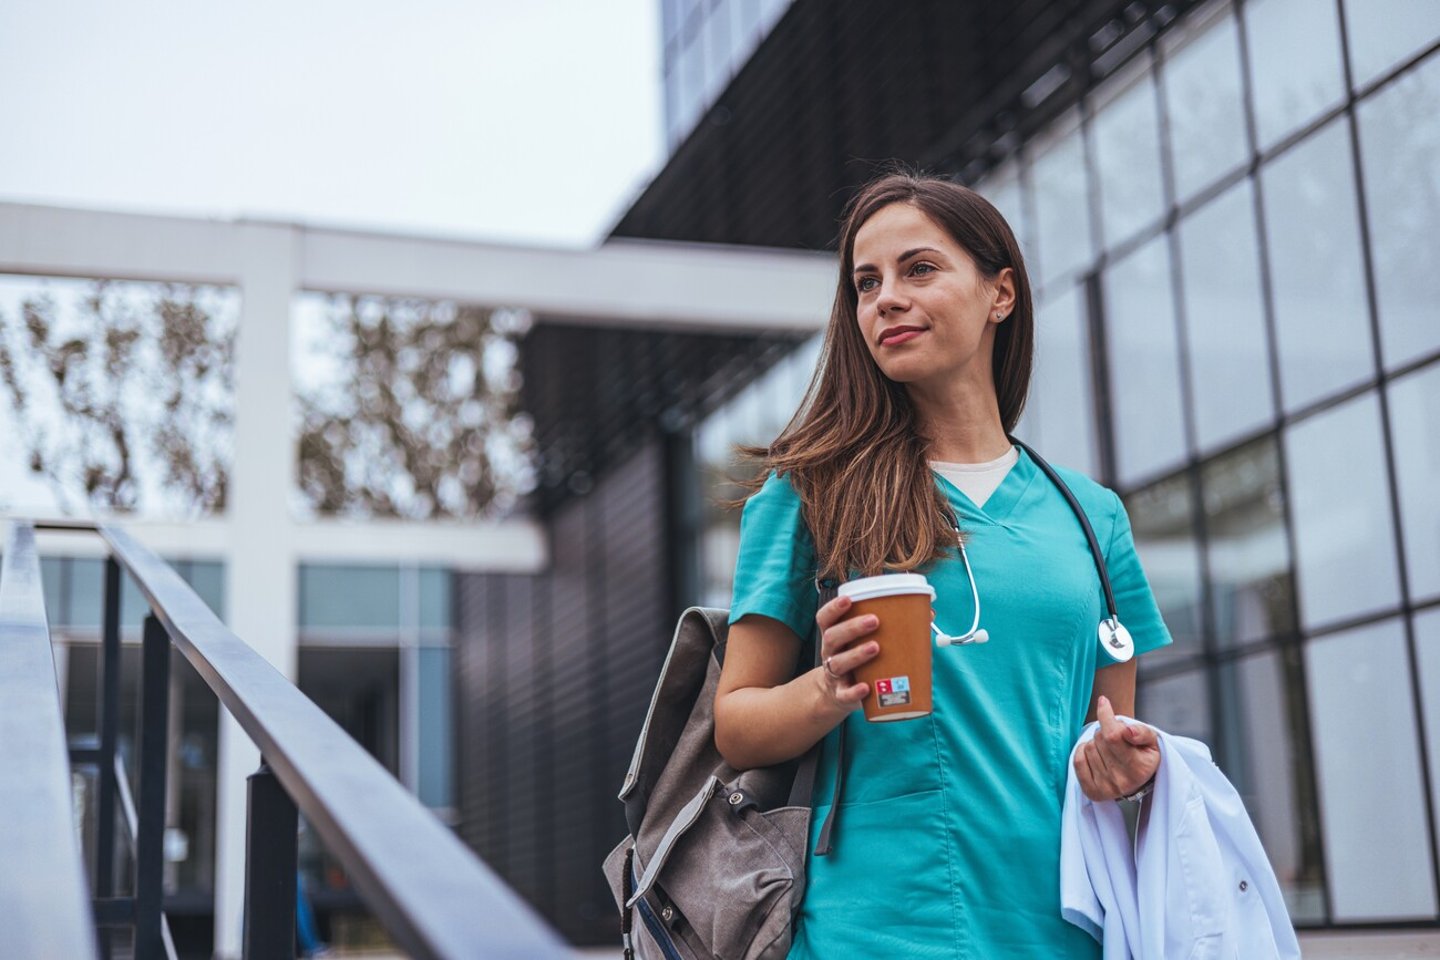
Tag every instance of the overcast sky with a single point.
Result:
(534, 122)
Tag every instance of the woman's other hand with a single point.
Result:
(1119, 760)
(843, 648)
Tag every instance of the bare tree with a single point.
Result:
(421, 419)
(124, 394)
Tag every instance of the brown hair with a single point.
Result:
(853, 450)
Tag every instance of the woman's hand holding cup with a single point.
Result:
(843, 648)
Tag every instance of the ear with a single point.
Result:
(1004, 295)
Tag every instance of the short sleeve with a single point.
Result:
(775, 568)
(1134, 601)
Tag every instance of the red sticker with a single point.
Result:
(883, 686)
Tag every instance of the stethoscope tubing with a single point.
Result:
(1112, 622)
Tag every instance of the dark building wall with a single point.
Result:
(555, 672)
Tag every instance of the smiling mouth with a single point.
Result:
(897, 335)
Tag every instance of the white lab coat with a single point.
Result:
(1198, 884)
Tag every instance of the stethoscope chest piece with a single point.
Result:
(1115, 640)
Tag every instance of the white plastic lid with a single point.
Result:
(886, 585)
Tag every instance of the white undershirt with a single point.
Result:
(978, 480)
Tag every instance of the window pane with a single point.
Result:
(1251, 594)
(335, 596)
(1321, 315)
(1144, 362)
(1224, 319)
(1382, 33)
(1002, 188)
(1062, 203)
(52, 573)
(1262, 717)
(207, 578)
(1341, 511)
(1414, 413)
(1179, 705)
(1162, 517)
(87, 593)
(1295, 62)
(435, 585)
(1060, 413)
(435, 728)
(1427, 648)
(1372, 808)
(1400, 151)
(1206, 114)
(1126, 133)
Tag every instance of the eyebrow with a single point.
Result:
(908, 254)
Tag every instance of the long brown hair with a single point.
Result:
(853, 450)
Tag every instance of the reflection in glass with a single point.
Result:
(1294, 62)
(1205, 112)
(1340, 505)
(1427, 649)
(1371, 798)
(1062, 203)
(1251, 595)
(1322, 325)
(1126, 135)
(1414, 414)
(1179, 704)
(1144, 362)
(1262, 718)
(1400, 155)
(1382, 33)
(1059, 415)
(1224, 318)
(1162, 517)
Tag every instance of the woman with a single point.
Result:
(947, 841)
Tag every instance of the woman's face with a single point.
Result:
(926, 312)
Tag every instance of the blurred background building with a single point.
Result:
(459, 491)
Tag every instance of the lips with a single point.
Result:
(892, 336)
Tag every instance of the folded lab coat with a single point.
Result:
(1197, 885)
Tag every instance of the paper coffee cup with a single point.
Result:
(899, 676)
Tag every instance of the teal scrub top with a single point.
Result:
(947, 842)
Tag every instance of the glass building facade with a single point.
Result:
(705, 43)
(1234, 240)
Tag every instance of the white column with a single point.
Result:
(260, 578)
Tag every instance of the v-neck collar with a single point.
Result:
(1002, 500)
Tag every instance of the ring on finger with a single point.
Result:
(832, 673)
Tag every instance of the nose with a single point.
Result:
(889, 299)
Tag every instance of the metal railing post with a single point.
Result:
(109, 727)
(271, 850)
(149, 846)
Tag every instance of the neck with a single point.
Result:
(960, 421)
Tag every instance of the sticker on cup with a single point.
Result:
(893, 691)
(899, 676)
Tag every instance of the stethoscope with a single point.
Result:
(1115, 640)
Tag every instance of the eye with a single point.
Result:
(923, 268)
(865, 284)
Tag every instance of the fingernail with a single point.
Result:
(872, 621)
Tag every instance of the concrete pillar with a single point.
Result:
(260, 578)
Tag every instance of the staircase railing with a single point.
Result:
(432, 894)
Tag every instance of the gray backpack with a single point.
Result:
(714, 865)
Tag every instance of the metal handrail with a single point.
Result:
(433, 895)
(44, 904)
